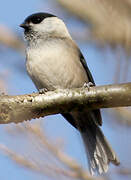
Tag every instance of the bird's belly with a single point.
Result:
(43, 76)
(55, 70)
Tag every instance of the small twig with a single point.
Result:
(9, 38)
(125, 115)
(124, 171)
(67, 166)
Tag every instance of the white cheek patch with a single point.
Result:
(52, 25)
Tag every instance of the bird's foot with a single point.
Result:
(88, 85)
(43, 91)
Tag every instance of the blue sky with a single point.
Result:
(102, 66)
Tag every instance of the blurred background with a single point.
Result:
(102, 29)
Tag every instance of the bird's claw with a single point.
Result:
(88, 85)
(42, 91)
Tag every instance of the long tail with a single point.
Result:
(99, 152)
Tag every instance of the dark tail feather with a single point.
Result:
(99, 152)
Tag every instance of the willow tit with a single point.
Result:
(53, 60)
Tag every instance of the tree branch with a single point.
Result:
(25, 107)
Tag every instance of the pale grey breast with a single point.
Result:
(55, 64)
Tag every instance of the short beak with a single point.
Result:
(24, 25)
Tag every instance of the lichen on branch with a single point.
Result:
(26, 107)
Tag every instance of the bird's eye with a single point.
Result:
(36, 20)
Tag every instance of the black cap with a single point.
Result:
(35, 19)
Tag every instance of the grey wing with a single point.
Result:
(97, 113)
(83, 62)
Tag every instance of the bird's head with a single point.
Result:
(43, 25)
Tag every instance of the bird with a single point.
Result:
(54, 61)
